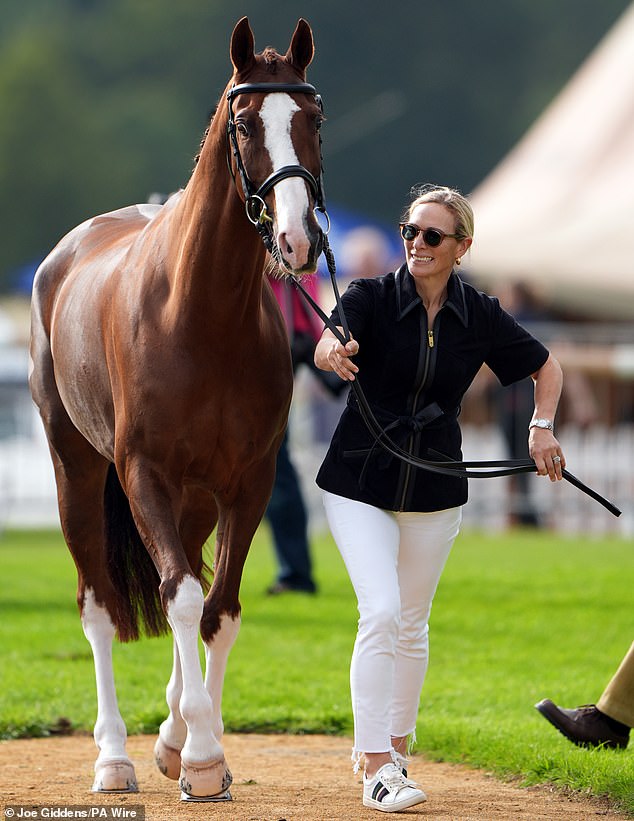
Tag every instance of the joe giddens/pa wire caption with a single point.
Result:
(30, 812)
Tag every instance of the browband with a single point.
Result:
(271, 88)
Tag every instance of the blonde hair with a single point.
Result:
(456, 202)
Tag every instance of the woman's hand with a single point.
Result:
(331, 355)
(547, 454)
(543, 447)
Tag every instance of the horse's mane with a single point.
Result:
(204, 137)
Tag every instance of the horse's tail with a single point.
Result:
(131, 570)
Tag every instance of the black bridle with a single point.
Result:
(255, 200)
(254, 196)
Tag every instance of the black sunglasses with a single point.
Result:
(432, 236)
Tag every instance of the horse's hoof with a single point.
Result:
(225, 796)
(115, 776)
(167, 759)
(205, 781)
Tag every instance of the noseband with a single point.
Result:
(254, 197)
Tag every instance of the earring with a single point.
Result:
(458, 260)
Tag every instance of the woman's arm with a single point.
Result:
(331, 355)
(542, 444)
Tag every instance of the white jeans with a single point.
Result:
(394, 561)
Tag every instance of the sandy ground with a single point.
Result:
(276, 778)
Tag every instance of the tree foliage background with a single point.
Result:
(104, 101)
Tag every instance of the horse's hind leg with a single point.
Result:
(81, 513)
(114, 772)
(80, 483)
(80, 474)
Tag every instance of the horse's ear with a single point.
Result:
(242, 46)
(301, 50)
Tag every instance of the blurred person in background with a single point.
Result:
(513, 404)
(419, 337)
(286, 512)
(606, 723)
(365, 252)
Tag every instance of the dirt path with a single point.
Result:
(276, 778)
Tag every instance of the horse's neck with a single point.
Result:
(218, 258)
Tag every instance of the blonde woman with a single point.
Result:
(420, 335)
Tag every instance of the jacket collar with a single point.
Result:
(407, 298)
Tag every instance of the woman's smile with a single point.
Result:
(419, 258)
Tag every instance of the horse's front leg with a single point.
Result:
(217, 649)
(221, 618)
(114, 772)
(204, 774)
(173, 731)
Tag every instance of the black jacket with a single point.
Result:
(414, 378)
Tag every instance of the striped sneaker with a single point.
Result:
(390, 791)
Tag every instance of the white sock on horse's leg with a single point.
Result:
(216, 656)
(203, 769)
(173, 731)
(114, 771)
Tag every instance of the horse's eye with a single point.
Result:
(318, 123)
(242, 128)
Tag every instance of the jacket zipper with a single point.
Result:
(426, 377)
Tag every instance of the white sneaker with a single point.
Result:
(390, 791)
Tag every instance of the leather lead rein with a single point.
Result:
(463, 469)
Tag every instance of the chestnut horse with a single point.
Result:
(161, 368)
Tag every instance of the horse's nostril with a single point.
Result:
(285, 245)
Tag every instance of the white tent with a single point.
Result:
(558, 211)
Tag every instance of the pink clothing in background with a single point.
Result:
(298, 316)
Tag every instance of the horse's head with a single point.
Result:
(275, 145)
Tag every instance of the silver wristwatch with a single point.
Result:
(546, 424)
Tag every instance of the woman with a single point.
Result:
(419, 337)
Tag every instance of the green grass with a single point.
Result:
(516, 618)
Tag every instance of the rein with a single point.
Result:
(463, 469)
(257, 214)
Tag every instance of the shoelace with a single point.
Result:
(586, 708)
(394, 780)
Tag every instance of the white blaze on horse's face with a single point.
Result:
(291, 199)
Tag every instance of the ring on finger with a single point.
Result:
(556, 459)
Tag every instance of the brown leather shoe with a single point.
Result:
(586, 726)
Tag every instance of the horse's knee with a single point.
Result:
(219, 631)
(185, 606)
